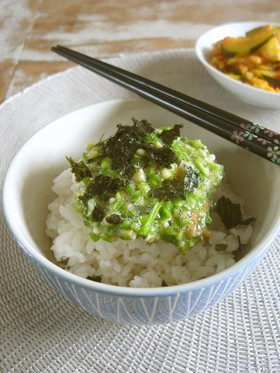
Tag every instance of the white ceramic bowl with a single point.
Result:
(27, 193)
(249, 94)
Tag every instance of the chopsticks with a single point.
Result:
(249, 135)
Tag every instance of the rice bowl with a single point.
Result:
(28, 191)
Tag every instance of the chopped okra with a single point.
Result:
(146, 183)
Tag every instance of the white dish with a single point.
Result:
(249, 94)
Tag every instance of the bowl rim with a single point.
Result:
(201, 56)
(32, 253)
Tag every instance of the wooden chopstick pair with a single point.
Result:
(251, 136)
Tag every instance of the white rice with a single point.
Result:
(135, 263)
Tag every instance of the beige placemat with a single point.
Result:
(40, 331)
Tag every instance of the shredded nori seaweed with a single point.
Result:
(170, 135)
(248, 221)
(143, 126)
(79, 169)
(94, 278)
(114, 219)
(122, 146)
(229, 212)
(163, 156)
(103, 185)
(220, 246)
(169, 190)
(191, 179)
(97, 214)
(128, 139)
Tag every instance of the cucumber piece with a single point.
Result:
(268, 73)
(271, 80)
(271, 49)
(270, 76)
(254, 30)
(258, 29)
(245, 45)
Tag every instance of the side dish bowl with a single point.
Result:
(249, 94)
(27, 193)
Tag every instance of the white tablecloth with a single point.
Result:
(40, 331)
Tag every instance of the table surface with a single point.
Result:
(41, 331)
(28, 29)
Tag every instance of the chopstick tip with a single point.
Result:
(56, 47)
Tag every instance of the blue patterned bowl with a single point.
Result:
(27, 193)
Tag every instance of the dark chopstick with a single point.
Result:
(242, 132)
(207, 108)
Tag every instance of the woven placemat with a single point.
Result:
(40, 331)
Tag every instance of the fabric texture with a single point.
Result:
(41, 331)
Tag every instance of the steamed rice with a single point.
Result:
(135, 263)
